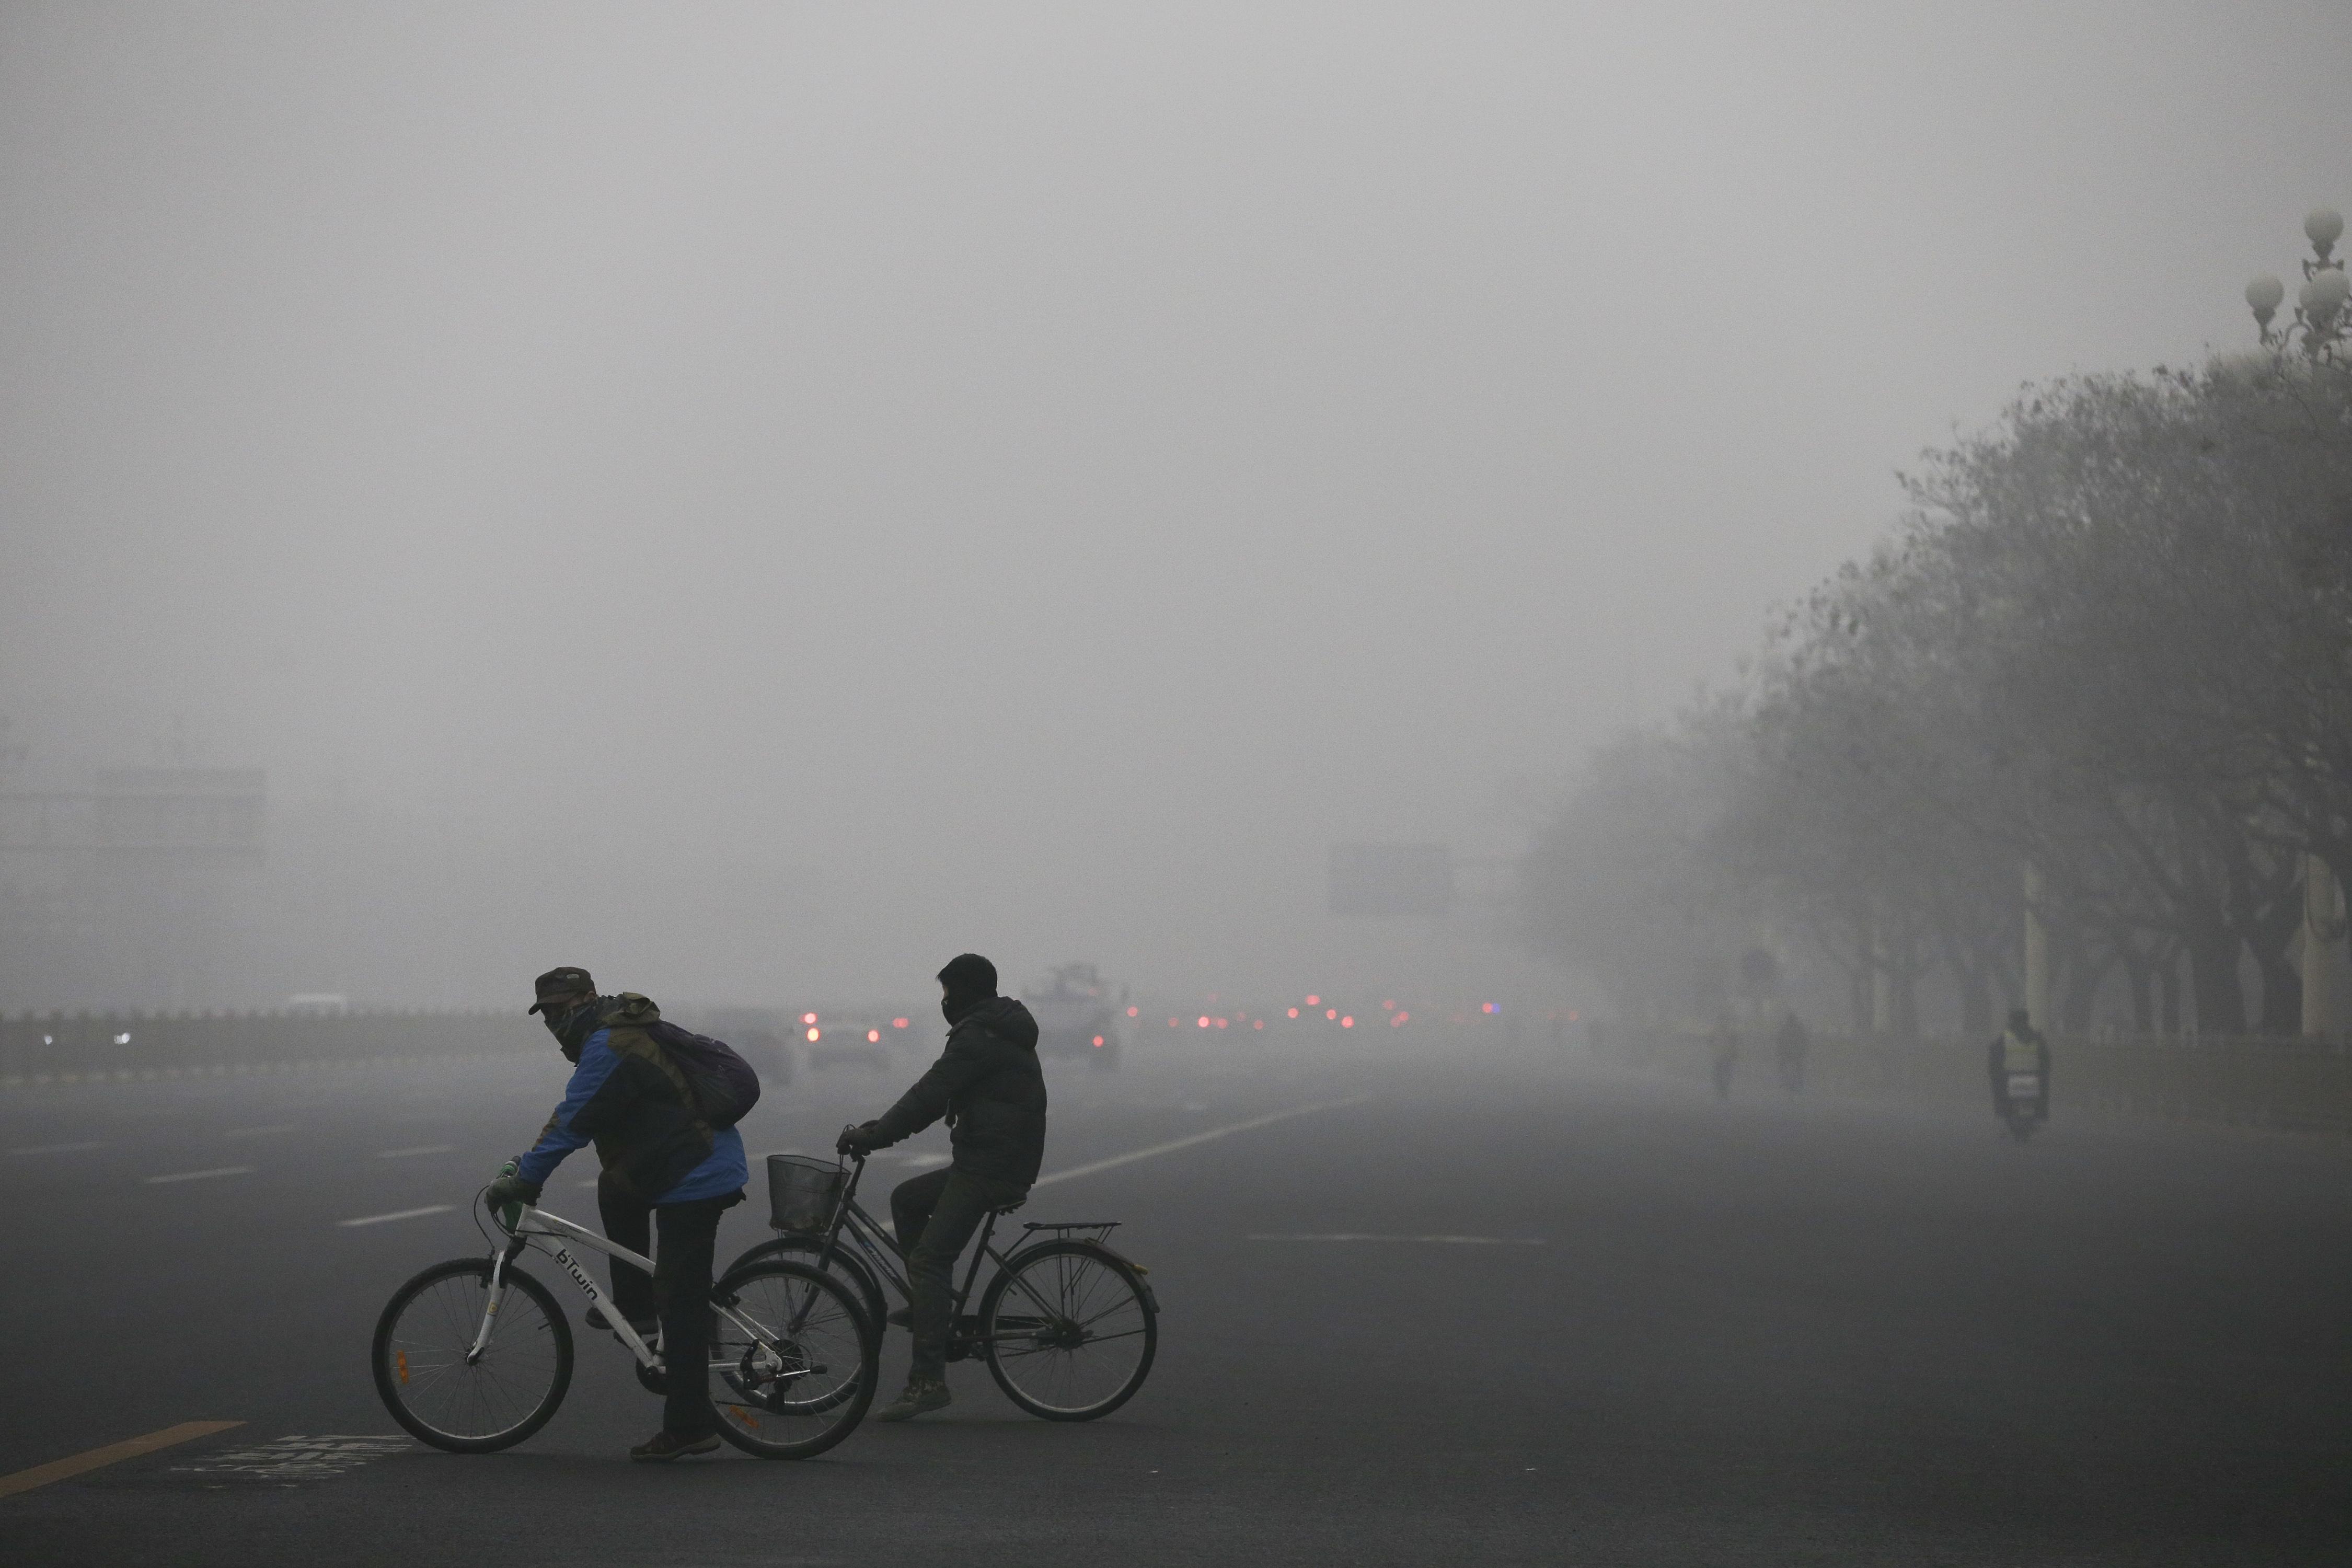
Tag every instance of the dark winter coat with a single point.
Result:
(630, 1100)
(987, 1084)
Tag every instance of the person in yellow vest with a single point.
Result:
(2020, 1049)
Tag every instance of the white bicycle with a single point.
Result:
(473, 1355)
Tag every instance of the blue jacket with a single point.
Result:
(630, 1100)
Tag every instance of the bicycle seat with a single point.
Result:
(1000, 1210)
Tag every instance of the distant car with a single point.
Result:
(1076, 1016)
(849, 1039)
(319, 1003)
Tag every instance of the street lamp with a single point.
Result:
(2319, 309)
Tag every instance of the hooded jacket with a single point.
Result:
(987, 1084)
(629, 1099)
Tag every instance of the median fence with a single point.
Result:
(2273, 1085)
(92, 1048)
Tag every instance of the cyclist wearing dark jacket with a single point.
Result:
(987, 1085)
(2018, 1049)
(661, 1163)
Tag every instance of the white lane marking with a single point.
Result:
(1449, 1240)
(1212, 1133)
(420, 1149)
(261, 1132)
(924, 1161)
(396, 1214)
(201, 1175)
(59, 1148)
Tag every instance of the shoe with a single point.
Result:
(921, 1395)
(666, 1445)
(904, 1318)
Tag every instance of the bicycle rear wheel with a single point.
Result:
(1070, 1330)
(799, 1378)
(507, 1394)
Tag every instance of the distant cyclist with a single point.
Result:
(987, 1085)
(663, 1166)
(2020, 1050)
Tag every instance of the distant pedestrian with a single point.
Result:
(1725, 1041)
(1790, 1046)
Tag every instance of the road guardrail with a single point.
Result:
(92, 1047)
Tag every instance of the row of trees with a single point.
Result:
(2100, 680)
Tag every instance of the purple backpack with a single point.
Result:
(725, 1088)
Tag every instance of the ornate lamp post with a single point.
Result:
(2320, 316)
(2327, 974)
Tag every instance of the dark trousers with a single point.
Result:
(936, 1214)
(678, 1293)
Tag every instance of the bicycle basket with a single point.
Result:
(802, 1192)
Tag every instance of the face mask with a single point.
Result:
(573, 1025)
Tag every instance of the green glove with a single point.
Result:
(509, 1189)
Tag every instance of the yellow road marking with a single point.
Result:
(113, 1454)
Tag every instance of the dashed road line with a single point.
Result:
(1445, 1240)
(201, 1175)
(59, 1148)
(420, 1149)
(112, 1453)
(396, 1214)
(1156, 1150)
(261, 1132)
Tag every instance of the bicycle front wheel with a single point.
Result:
(1070, 1329)
(851, 1269)
(794, 1359)
(504, 1394)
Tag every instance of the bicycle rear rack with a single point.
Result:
(1101, 1238)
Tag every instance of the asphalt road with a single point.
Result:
(1695, 1334)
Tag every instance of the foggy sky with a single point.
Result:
(765, 496)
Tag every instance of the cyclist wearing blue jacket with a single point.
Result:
(663, 1166)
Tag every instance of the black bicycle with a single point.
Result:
(1068, 1326)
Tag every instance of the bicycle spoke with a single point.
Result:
(1062, 1362)
(501, 1396)
(788, 1363)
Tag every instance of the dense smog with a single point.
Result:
(1279, 783)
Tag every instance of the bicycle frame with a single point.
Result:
(880, 1250)
(533, 1227)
